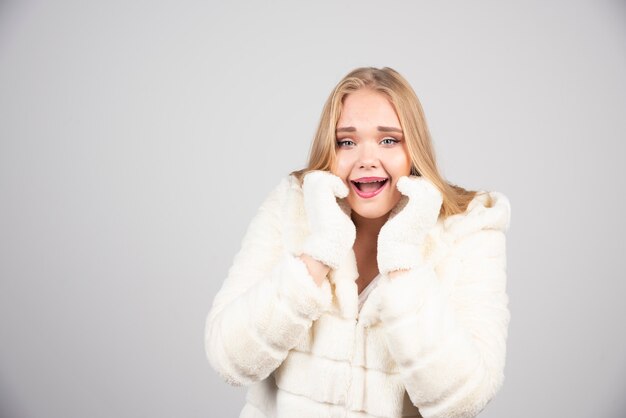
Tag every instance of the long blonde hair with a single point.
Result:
(389, 82)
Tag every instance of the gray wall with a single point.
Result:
(137, 140)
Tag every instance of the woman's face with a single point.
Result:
(371, 153)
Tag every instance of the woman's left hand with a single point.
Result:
(401, 237)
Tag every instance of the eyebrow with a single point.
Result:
(380, 128)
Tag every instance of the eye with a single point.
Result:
(344, 142)
(390, 140)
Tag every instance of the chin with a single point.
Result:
(371, 212)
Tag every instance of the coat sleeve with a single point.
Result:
(266, 304)
(449, 339)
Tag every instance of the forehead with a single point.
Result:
(366, 106)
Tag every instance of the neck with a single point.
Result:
(367, 227)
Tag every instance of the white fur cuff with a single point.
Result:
(299, 289)
(329, 251)
(398, 256)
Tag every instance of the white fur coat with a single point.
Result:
(429, 343)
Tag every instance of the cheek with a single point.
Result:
(343, 165)
(398, 164)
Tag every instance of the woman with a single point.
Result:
(366, 285)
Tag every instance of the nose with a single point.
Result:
(368, 156)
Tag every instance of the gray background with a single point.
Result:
(139, 138)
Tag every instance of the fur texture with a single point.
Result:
(429, 343)
(332, 230)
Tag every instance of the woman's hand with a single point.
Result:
(332, 232)
(402, 235)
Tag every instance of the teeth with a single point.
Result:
(374, 181)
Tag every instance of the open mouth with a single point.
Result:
(370, 186)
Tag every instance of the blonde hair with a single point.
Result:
(387, 81)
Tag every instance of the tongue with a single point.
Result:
(370, 187)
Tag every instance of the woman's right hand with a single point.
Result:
(332, 232)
